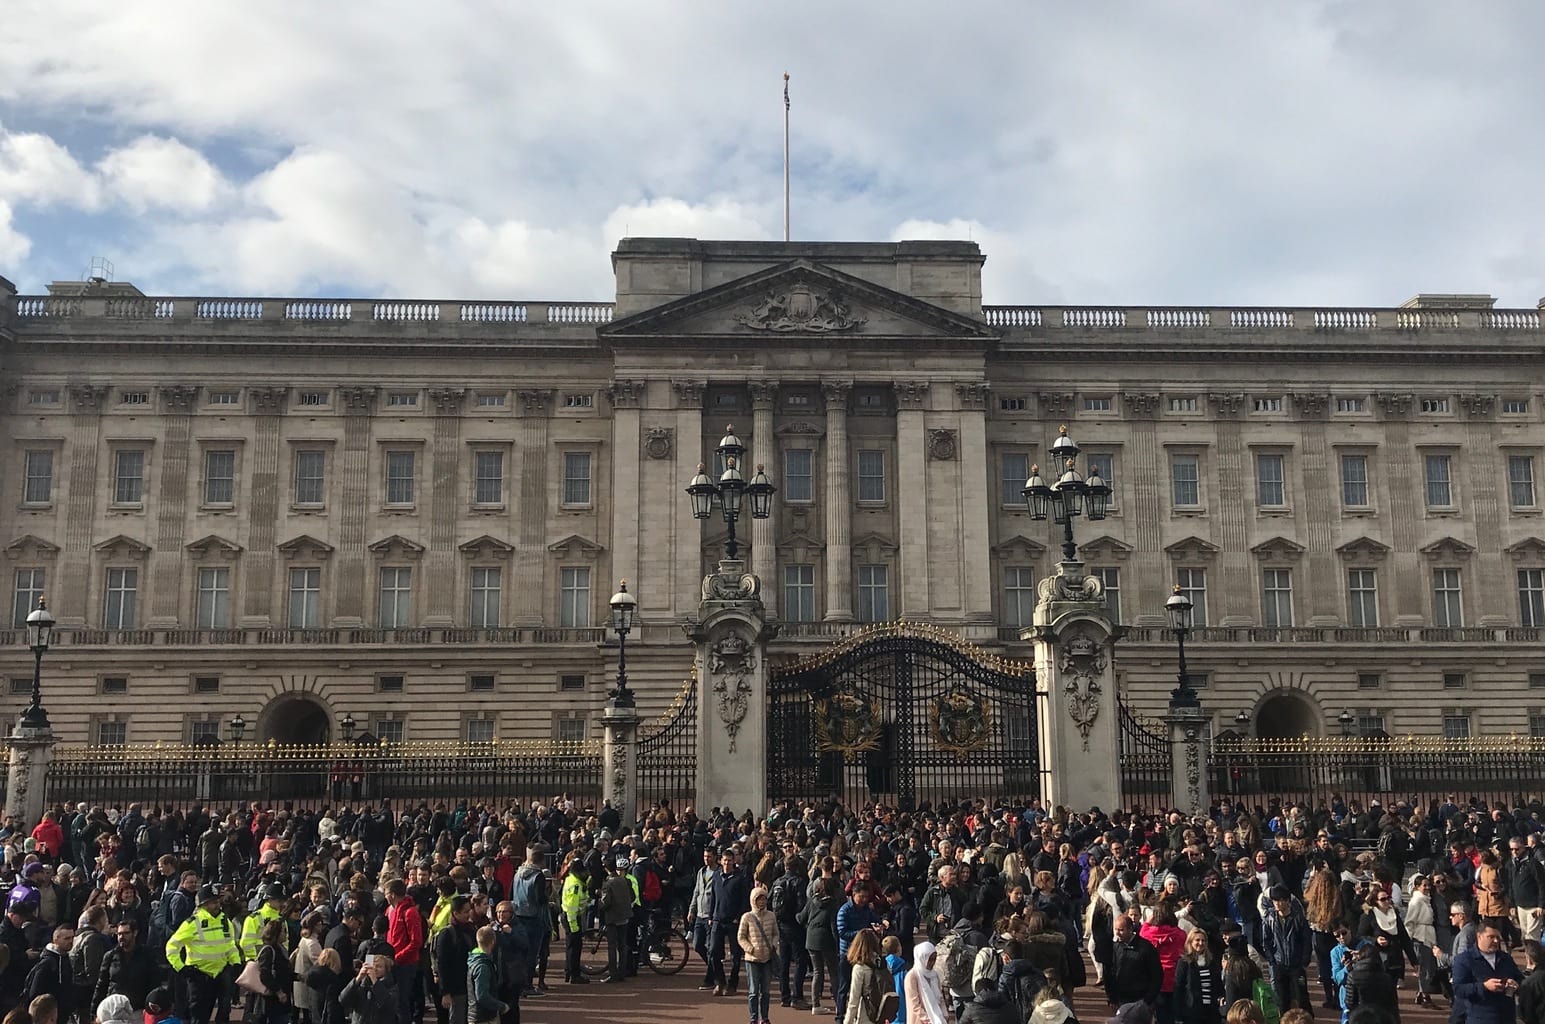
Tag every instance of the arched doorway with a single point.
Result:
(1286, 715)
(295, 719)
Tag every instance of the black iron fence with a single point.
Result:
(1146, 758)
(310, 776)
(667, 754)
(1414, 769)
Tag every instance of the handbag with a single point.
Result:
(251, 979)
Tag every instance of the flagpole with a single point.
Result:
(785, 156)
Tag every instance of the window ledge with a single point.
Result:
(1274, 511)
(399, 510)
(481, 509)
(35, 506)
(126, 508)
(1188, 512)
(1360, 511)
(576, 508)
(219, 509)
(1525, 511)
(872, 504)
(1443, 512)
(307, 509)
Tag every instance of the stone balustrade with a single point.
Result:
(159, 308)
(1165, 318)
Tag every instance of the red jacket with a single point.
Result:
(405, 932)
(49, 838)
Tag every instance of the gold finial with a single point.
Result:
(729, 428)
(1063, 430)
(1177, 588)
(761, 467)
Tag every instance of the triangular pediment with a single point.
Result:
(1528, 549)
(124, 545)
(1277, 549)
(800, 302)
(1019, 545)
(213, 546)
(1192, 547)
(31, 546)
(397, 545)
(306, 544)
(1448, 547)
(487, 546)
(1105, 549)
(1364, 548)
(873, 547)
(574, 544)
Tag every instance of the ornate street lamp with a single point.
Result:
(1070, 497)
(624, 607)
(346, 723)
(1242, 719)
(1179, 609)
(1347, 720)
(40, 633)
(731, 491)
(238, 727)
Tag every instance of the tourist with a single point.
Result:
(757, 933)
(924, 995)
(1486, 980)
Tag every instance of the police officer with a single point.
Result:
(202, 948)
(274, 899)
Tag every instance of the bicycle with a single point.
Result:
(670, 950)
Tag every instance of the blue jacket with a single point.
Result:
(1287, 941)
(730, 896)
(1471, 972)
(851, 920)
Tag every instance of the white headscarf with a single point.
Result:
(929, 988)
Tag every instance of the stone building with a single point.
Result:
(412, 513)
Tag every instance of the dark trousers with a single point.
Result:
(616, 950)
(701, 931)
(203, 994)
(824, 963)
(572, 947)
(1291, 988)
(844, 978)
(1324, 942)
(791, 950)
(406, 976)
(722, 936)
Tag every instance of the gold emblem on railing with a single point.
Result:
(847, 724)
(962, 723)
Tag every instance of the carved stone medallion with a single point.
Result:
(801, 309)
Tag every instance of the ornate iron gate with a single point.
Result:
(667, 754)
(1146, 755)
(900, 714)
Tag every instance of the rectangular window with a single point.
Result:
(1102, 404)
(390, 730)
(122, 592)
(871, 476)
(1362, 598)
(572, 730)
(576, 478)
(581, 401)
(1354, 481)
(479, 730)
(1193, 586)
(396, 604)
(799, 593)
(571, 681)
(1104, 464)
(1369, 724)
(488, 486)
(1277, 597)
(1453, 680)
(310, 477)
(399, 478)
(1185, 480)
(1018, 596)
(480, 683)
(28, 590)
(1349, 404)
(306, 597)
(726, 401)
(112, 734)
(1111, 578)
(797, 400)
(219, 477)
(402, 399)
(225, 398)
(1520, 481)
(115, 685)
(214, 599)
(1268, 404)
(133, 398)
(203, 731)
(874, 600)
(1537, 680)
(1016, 470)
(1531, 597)
(1439, 492)
(1270, 485)
(798, 475)
(486, 400)
(1515, 406)
(21, 686)
(38, 488)
(1447, 601)
(128, 476)
(1434, 406)
(43, 396)
(206, 684)
(574, 597)
(1456, 727)
(486, 584)
(389, 684)
(1369, 680)
(1536, 725)
(311, 398)
(1012, 405)
(1182, 405)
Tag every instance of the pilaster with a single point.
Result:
(912, 497)
(764, 449)
(1141, 587)
(1319, 509)
(80, 502)
(1495, 605)
(530, 552)
(358, 402)
(444, 505)
(264, 499)
(1236, 584)
(1405, 498)
(975, 534)
(171, 470)
(688, 548)
(839, 506)
(627, 398)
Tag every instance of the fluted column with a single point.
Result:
(764, 541)
(688, 532)
(266, 497)
(445, 504)
(912, 496)
(80, 505)
(354, 507)
(627, 396)
(530, 553)
(166, 584)
(839, 506)
(975, 534)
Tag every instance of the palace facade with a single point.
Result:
(412, 513)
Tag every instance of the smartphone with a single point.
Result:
(370, 959)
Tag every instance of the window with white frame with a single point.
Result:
(391, 730)
(1439, 483)
(214, 598)
(490, 399)
(1531, 597)
(1185, 480)
(871, 475)
(128, 476)
(122, 595)
(38, 485)
(1018, 595)
(487, 585)
(1270, 480)
(1515, 406)
(400, 476)
(305, 610)
(1520, 481)
(1012, 403)
(1273, 404)
(311, 399)
(1188, 404)
(134, 398)
(203, 731)
(488, 478)
(1350, 403)
(798, 474)
(1016, 470)
(395, 605)
(1447, 599)
(1369, 680)
(43, 396)
(874, 598)
(1193, 587)
(1536, 725)
(579, 401)
(1434, 406)
(1455, 681)
(1362, 598)
(574, 597)
(402, 399)
(1456, 725)
(1097, 403)
(112, 732)
(28, 590)
(576, 478)
(310, 476)
(1277, 597)
(1104, 463)
(571, 729)
(1110, 578)
(219, 476)
(225, 398)
(479, 730)
(799, 593)
(1354, 481)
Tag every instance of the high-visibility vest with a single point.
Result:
(252, 931)
(576, 900)
(204, 941)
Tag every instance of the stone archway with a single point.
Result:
(295, 719)
(1287, 714)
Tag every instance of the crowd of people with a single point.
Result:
(966, 912)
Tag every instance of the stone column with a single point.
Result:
(627, 509)
(1237, 583)
(445, 502)
(530, 552)
(268, 495)
(170, 511)
(80, 502)
(912, 497)
(688, 532)
(1150, 477)
(731, 633)
(1189, 743)
(764, 452)
(619, 784)
(839, 506)
(354, 506)
(1073, 637)
(975, 537)
(32, 747)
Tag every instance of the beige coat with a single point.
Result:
(759, 944)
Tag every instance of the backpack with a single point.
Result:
(956, 956)
(649, 887)
(988, 964)
(1266, 999)
(143, 842)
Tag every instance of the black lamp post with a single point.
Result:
(731, 490)
(40, 632)
(346, 723)
(1347, 721)
(1070, 497)
(238, 727)
(1242, 719)
(624, 606)
(1179, 609)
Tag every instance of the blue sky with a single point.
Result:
(1318, 152)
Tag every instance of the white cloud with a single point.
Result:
(160, 172)
(36, 169)
(14, 246)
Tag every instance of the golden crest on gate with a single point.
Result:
(962, 723)
(847, 724)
